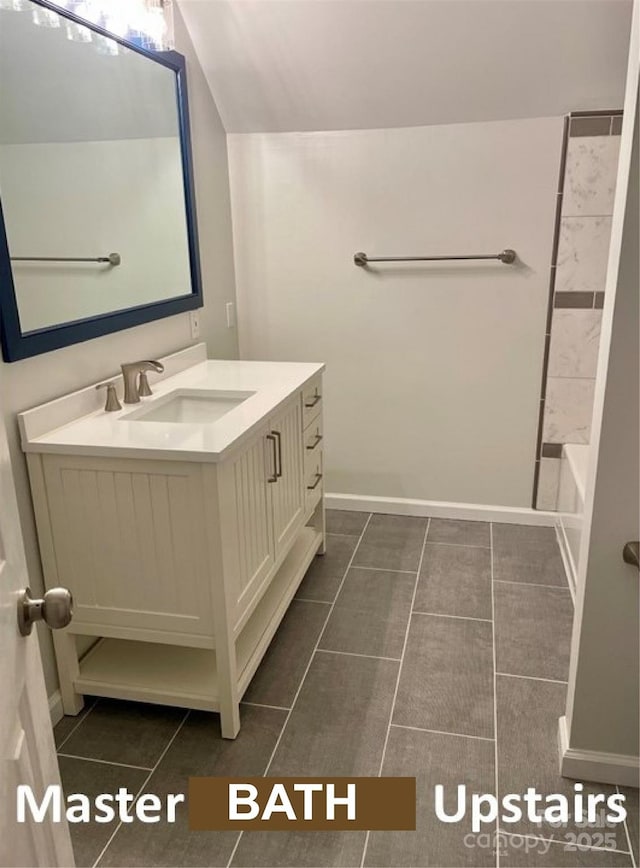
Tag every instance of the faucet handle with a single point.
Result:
(112, 404)
(144, 389)
(131, 371)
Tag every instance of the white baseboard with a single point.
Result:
(55, 708)
(591, 765)
(440, 509)
(567, 558)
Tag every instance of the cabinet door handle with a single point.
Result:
(274, 475)
(316, 483)
(314, 400)
(278, 465)
(317, 440)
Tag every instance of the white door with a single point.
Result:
(27, 752)
(599, 736)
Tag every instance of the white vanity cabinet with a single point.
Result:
(261, 505)
(181, 569)
(287, 490)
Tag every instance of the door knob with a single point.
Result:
(55, 609)
(631, 554)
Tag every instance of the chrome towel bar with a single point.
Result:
(111, 259)
(507, 256)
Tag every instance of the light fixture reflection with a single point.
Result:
(78, 32)
(144, 22)
(148, 23)
(13, 5)
(106, 45)
(44, 17)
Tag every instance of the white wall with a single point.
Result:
(433, 371)
(92, 199)
(33, 381)
(286, 65)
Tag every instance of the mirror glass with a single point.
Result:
(91, 168)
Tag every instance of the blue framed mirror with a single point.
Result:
(97, 207)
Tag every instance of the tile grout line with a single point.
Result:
(495, 683)
(457, 617)
(144, 784)
(628, 836)
(395, 692)
(579, 847)
(307, 600)
(83, 717)
(532, 585)
(582, 217)
(531, 678)
(383, 570)
(263, 705)
(103, 762)
(570, 376)
(441, 732)
(349, 535)
(355, 654)
(457, 545)
(306, 671)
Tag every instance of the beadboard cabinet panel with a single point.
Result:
(128, 542)
(287, 494)
(246, 522)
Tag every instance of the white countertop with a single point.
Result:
(61, 427)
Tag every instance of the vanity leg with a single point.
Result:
(322, 527)
(226, 665)
(318, 522)
(229, 720)
(68, 670)
(228, 692)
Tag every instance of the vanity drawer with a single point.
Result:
(313, 444)
(311, 400)
(313, 479)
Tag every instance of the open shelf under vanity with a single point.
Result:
(181, 676)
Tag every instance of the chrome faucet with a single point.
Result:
(130, 373)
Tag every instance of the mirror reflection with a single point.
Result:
(92, 187)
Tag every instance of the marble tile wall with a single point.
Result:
(586, 196)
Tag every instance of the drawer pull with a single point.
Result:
(278, 466)
(314, 400)
(274, 475)
(316, 483)
(315, 442)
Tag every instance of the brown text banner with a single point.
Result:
(286, 804)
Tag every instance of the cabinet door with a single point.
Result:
(287, 494)
(245, 519)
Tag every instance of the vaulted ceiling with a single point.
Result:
(278, 65)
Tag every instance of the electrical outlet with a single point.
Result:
(231, 314)
(194, 318)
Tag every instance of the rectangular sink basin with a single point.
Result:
(189, 406)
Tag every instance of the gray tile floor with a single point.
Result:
(422, 647)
